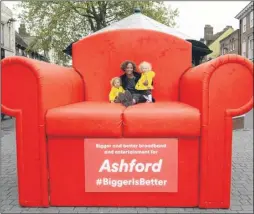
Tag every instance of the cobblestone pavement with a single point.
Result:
(242, 181)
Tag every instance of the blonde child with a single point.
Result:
(145, 82)
(116, 88)
(118, 94)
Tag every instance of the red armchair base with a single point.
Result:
(67, 180)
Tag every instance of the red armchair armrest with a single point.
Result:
(220, 89)
(29, 89)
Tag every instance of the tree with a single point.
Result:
(58, 23)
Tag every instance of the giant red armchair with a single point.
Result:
(56, 108)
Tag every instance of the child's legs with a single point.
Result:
(119, 98)
(139, 98)
(148, 95)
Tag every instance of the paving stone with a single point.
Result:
(247, 208)
(236, 208)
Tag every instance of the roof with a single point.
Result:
(19, 40)
(140, 21)
(229, 35)
(29, 39)
(217, 35)
(23, 43)
(245, 10)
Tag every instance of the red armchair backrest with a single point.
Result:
(98, 58)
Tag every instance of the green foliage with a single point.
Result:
(58, 23)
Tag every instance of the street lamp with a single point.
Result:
(11, 20)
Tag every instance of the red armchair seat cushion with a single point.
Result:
(86, 119)
(161, 119)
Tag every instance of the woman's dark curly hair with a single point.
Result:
(127, 62)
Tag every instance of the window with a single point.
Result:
(250, 47)
(10, 36)
(2, 53)
(225, 51)
(244, 24)
(232, 45)
(222, 47)
(251, 19)
(2, 34)
(17, 50)
(244, 48)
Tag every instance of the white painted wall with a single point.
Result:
(7, 31)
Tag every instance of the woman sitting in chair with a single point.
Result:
(129, 80)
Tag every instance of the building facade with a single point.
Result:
(215, 45)
(23, 40)
(245, 18)
(230, 44)
(7, 32)
(213, 40)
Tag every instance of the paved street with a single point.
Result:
(242, 181)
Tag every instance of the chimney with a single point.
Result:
(227, 27)
(22, 30)
(208, 33)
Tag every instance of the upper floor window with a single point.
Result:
(10, 36)
(250, 47)
(2, 34)
(251, 19)
(232, 44)
(244, 24)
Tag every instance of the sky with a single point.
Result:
(194, 15)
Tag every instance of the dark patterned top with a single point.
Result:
(130, 86)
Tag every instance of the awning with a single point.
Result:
(140, 21)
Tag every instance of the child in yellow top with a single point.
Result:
(115, 89)
(145, 82)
